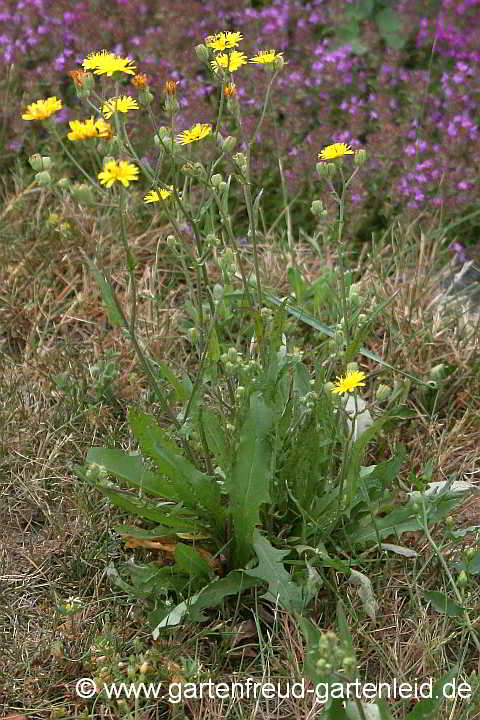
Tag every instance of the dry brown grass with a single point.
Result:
(55, 537)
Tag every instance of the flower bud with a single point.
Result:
(437, 373)
(317, 208)
(40, 162)
(241, 161)
(222, 186)
(450, 522)
(462, 579)
(383, 391)
(229, 144)
(63, 183)
(193, 334)
(172, 106)
(352, 367)
(240, 392)
(160, 135)
(278, 63)
(202, 53)
(325, 170)
(360, 157)
(43, 178)
(171, 241)
(82, 192)
(216, 180)
(145, 97)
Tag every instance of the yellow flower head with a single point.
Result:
(107, 63)
(121, 171)
(170, 87)
(42, 109)
(352, 380)
(223, 40)
(266, 57)
(337, 150)
(196, 132)
(157, 195)
(140, 80)
(104, 129)
(82, 130)
(229, 62)
(119, 104)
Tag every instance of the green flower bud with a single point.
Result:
(216, 180)
(352, 367)
(241, 161)
(325, 170)
(40, 162)
(450, 522)
(240, 392)
(43, 178)
(317, 208)
(172, 106)
(63, 183)
(222, 186)
(145, 97)
(171, 241)
(437, 373)
(193, 334)
(202, 53)
(82, 192)
(229, 144)
(360, 157)
(160, 135)
(383, 391)
(229, 368)
(462, 579)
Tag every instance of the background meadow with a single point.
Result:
(208, 367)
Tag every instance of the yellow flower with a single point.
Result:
(89, 128)
(337, 150)
(196, 132)
(352, 380)
(107, 63)
(42, 109)
(223, 40)
(229, 62)
(266, 57)
(123, 171)
(119, 104)
(157, 195)
(104, 129)
(82, 130)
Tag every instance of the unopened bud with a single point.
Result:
(202, 53)
(437, 373)
(325, 170)
(43, 178)
(241, 161)
(145, 97)
(40, 162)
(229, 144)
(82, 192)
(383, 391)
(360, 157)
(317, 208)
(462, 579)
(216, 180)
